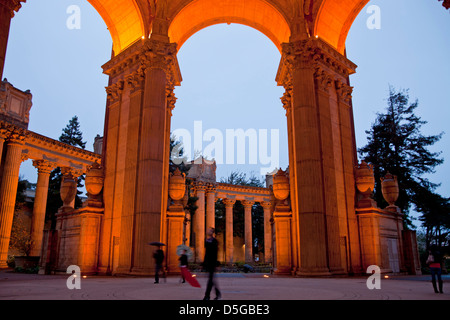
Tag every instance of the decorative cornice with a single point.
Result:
(312, 53)
(146, 54)
(41, 141)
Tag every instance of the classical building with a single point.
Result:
(320, 213)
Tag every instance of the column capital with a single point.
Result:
(266, 204)
(247, 203)
(143, 55)
(200, 186)
(309, 54)
(229, 203)
(44, 166)
(324, 79)
(344, 91)
(12, 5)
(16, 136)
(73, 172)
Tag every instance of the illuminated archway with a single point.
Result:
(123, 19)
(334, 20)
(258, 14)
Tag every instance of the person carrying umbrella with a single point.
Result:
(185, 252)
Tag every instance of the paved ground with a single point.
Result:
(245, 287)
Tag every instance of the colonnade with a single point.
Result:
(204, 218)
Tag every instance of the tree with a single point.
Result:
(397, 145)
(73, 136)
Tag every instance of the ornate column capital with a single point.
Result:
(311, 54)
(44, 166)
(16, 135)
(247, 203)
(71, 172)
(344, 91)
(229, 203)
(266, 204)
(12, 5)
(200, 186)
(114, 91)
(324, 79)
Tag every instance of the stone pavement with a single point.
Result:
(244, 287)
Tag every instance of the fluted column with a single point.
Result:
(40, 204)
(211, 207)
(248, 230)
(267, 206)
(8, 191)
(199, 221)
(229, 242)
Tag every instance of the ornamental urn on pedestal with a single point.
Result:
(390, 189)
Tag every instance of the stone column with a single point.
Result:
(8, 190)
(315, 162)
(7, 9)
(229, 242)
(40, 204)
(267, 206)
(211, 207)
(248, 230)
(199, 222)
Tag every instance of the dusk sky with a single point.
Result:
(229, 74)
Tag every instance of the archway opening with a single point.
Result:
(229, 95)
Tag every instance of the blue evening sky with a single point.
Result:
(229, 74)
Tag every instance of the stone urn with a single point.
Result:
(68, 190)
(281, 187)
(365, 180)
(94, 180)
(390, 189)
(177, 185)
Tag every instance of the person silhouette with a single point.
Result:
(210, 264)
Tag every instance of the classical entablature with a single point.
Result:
(38, 147)
(243, 193)
(280, 20)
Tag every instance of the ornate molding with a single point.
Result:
(131, 64)
(12, 5)
(229, 203)
(44, 166)
(312, 53)
(344, 91)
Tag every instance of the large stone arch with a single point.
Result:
(124, 20)
(258, 14)
(334, 20)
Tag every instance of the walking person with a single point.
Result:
(183, 264)
(210, 264)
(159, 259)
(434, 262)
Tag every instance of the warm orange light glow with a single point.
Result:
(254, 13)
(335, 19)
(123, 20)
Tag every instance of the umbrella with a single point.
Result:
(157, 244)
(189, 278)
(182, 248)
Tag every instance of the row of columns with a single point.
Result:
(12, 140)
(206, 219)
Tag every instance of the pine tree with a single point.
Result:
(396, 145)
(72, 134)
